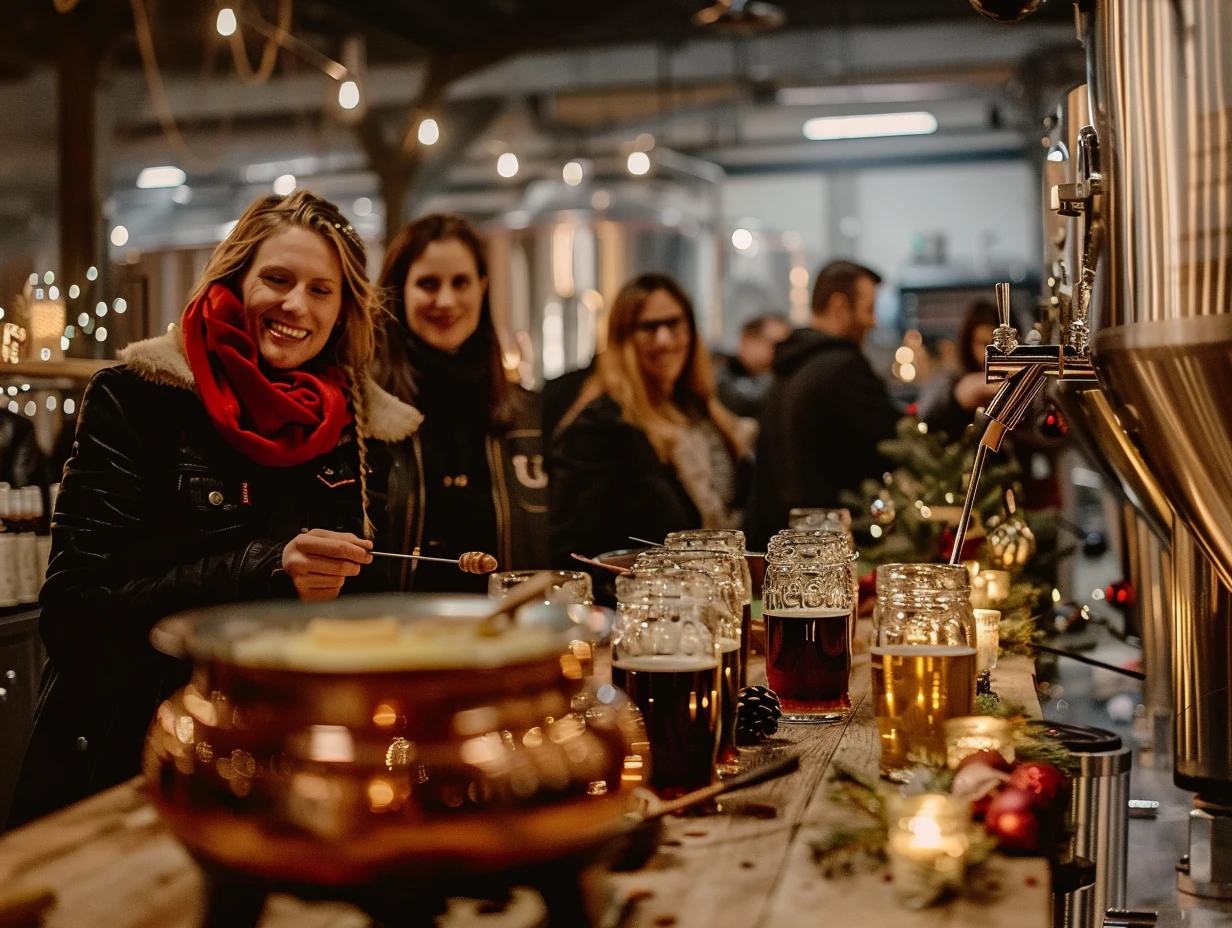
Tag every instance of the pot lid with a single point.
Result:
(367, 634)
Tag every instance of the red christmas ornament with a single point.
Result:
(1121, 594)
(971, 546)
(1015, 819)
(992, 759)
(1052, 423)
(1044, 781)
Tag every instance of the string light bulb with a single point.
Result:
(507, 164)
(226, 23)
(348, 95)
(429, 132)
(638, 163)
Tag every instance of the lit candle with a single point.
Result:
(970, 733)
(995, 585)
(927, 846)
(987, 639)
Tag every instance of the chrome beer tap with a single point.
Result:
(1023, 369)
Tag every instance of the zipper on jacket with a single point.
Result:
(419, 502)
(500, 497)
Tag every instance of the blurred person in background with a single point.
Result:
(647, 448)
(22, 462)
(472, 478)
(744, 380)
(826, 410)
(224, 461)
(949, 401)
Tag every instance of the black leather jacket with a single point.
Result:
(608, 484)
(156, 514)
(519, 495)
(22, 462)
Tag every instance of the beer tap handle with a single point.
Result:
(1005, 336)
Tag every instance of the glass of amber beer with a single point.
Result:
(923, 660)
(665, 656)
(808, 602)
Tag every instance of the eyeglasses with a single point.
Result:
(650, 328)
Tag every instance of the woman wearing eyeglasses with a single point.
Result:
(646, 448)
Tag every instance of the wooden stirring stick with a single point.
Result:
(761, 774)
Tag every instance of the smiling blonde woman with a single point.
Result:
(223, 461)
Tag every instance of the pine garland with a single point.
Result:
(838, 850)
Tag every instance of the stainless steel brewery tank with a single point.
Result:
(1160, 83)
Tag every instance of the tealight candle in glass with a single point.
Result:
(927, 846)
(990, 588)
(987, 639)
(972, 733)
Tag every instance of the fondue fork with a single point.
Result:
(473, 562)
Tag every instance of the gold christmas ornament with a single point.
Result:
(1011, 543)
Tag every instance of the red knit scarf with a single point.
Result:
(276, 418)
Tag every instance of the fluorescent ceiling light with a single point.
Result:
(165, 176)
(871, 126)
(838, 94)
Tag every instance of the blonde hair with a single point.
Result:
(354, 343)
(618, 374)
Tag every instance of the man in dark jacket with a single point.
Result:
(826, 410)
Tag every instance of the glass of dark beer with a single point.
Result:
(808, 605)
(665, 656)
(724, 570)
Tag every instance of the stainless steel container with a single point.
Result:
(1099, 811)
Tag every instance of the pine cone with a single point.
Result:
(757, 714)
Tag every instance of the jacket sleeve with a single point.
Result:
(106, 585)
(606, 484)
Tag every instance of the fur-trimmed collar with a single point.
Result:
(161, 360)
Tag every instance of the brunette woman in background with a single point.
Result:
(472, 478)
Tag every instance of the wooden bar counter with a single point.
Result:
(110, 862)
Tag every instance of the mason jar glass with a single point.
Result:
(665, 656)
(731, 540)
(569, 588)
(808, 605)
(923, 661)
(723, 568)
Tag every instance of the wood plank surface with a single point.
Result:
(111, 862)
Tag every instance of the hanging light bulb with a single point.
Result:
(429, 132)
(639, 163)
(573, 173)
(348, 95)
(226, 23)
(507, 164)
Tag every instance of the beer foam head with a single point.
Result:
(666, 663)
(822, 613)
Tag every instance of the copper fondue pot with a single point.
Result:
(373, 737)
